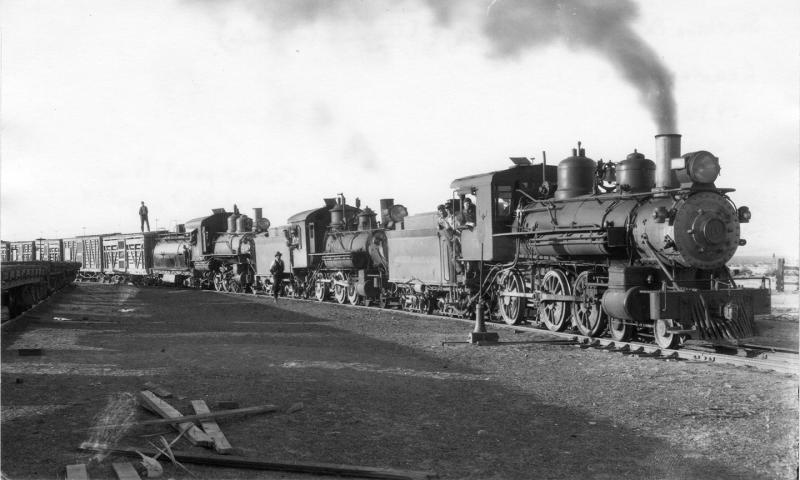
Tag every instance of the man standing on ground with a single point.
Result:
(143, 217)
(276, 270)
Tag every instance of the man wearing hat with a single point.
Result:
(276, 270)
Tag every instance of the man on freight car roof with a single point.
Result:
(143, 217)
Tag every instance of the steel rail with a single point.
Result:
(777, 360)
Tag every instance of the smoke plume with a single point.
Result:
(514, 26)
(602, 26)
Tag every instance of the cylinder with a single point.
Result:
(668, 146)
(232, 223)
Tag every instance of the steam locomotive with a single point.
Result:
(637, 247)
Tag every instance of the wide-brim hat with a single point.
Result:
(278, 253)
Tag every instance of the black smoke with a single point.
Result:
(512, 27)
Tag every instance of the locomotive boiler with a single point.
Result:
(646, 254)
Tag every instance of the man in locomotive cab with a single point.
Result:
(276, 269)
(468, 213)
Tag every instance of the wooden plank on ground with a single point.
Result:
(150, 401)
(232, 461)
(125, 471)
(158, 389)
(77, 472)
(191, 418)
(221, 444)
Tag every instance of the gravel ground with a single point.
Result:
(380, 388)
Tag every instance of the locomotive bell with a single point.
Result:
(575, 175)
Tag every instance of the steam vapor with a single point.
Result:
(514, 26)
(603, 26)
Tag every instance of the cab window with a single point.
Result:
(503, 201)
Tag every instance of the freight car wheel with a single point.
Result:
(619, 331)
(664, 338)
(587, 313)
(554, 313)
(511, 307)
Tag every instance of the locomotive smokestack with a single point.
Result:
(668, 146)
(256, 218)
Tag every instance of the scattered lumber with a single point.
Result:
(125, 471)
(158, 390)
(150, 401)
(77, 472)
(221, 444)
(193, 418)
(231, 461)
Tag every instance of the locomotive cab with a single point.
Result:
(497, 196)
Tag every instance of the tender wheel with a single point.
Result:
(339, 291)
(511, 308)
(554, 313)
(352, 294)
(619, 331)
(587, 313)
(665, 339)
(320, 291)
(234, 286)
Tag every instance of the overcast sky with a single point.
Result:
(193, 105)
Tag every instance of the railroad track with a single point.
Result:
(753, 356)
(762, 357)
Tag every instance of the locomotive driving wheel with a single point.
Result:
(587, 313)
(339, 290)
(554, 313)
(352, 294)
(511, 307)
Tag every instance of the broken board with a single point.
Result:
(77, 472)
(125, 471)
(150, 401)
(221, 444)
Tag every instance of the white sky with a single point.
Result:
(195, 105)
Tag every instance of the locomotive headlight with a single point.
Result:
(744, 214)
(702, 166)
